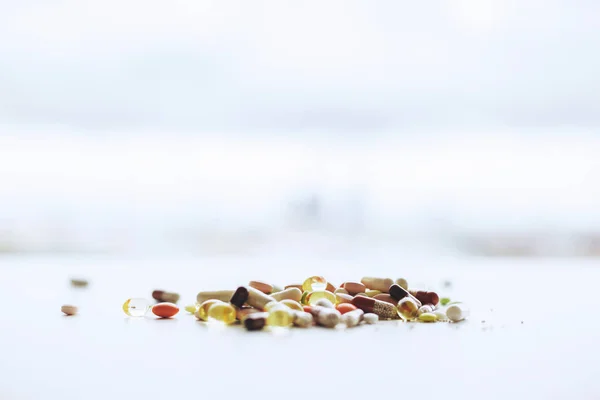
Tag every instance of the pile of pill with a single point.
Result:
(314, 302)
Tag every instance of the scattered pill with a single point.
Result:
(352, 318)
(386, 297)
(254, 298)
(69, 310)
(381, 284)
(223, 295)
(262, 286)
(370, 318)
(317, 295)
(280, 316)
(255, 321)
(314, 283)
(136, 307)
(165, 310)
(444, 301)
(457, 312)
(425, 297)
(341, 298)
(402, 283)
(345, 308)
(202, 312)
(381, 308)
(290, 294)
(165, 297)
(222, 312)
(354, 287)
(398, 292)
(408, 308)
(79, 283)
(427, 317)
(303, 319)
(328, 317)
(191, 308)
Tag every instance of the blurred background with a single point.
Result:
(234, 127)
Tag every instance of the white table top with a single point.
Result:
(533, 333)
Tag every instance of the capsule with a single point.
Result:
(381, 284)
(352, 318)
(255, 321)
(354, 287)
(381, 308)
(79, 282)
(191, 308)
(221, 312)
(426, 297)
(341, 298)
(303, 319)
(457, 312)
(262, 286)
(165, 297)
(372, 293)
(328, 317)
(68, 310)
(223, 295)
(408, 308)
(136, 307)
(251, 296)
(403, 283)
(345, 308)
(315, 296)
(290, 294)
(165, 310)
(202, 312)
(370, 318)
(427, 317)
(280, 316)
(399, 293)
(387, 298)
(314, 283)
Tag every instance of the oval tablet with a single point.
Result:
(165, 310)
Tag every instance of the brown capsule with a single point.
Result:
(251, 296)
(163, 296)
(386, 297)
(381, 308)
(425, 297)
(262, 286)
(354, 288)
(398, 293)
(255, 321)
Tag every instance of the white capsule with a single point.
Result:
(370, 318)
(302, 319)
(328, 317)
(457, 312)
(352, 318)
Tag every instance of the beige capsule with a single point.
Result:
(354, 288)
(328, 317)
(352, 318)
(381, 284)
(69, 310)
(291, 294)
(302, 319)
(223, 295)
(262, 286)
(403, 283)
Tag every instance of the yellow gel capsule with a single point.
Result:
(294, 305)
(304, 299)
(428, 317)
(136, 307)
(320, 294)
(221, 312)
(202, 312)
(314, 283)
(280, 316)
(192, 308)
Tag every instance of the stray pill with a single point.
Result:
(255, 321)
(69, 310)
(202, 313)
(399, 293)
(314, 283)
(165, 297)
(408, 308)
(328, 317)
(79, 282)
(402, 283)
(352, 318)
(372, 293)
(354, 287)
(317, 295)
(165, 310)
(457, 312)
(427, 317)
(136, 307)
(223, 295)
(324, 303)
(381, 308)
(345, 308)
(381, 284)
(386, 297)
(222, 312)
(303, 319)
(254, 298)
(341, 298)
(280, 316)
(290, 294)
(294, 305)
(191, 308)
(370, 318)
(262, 286)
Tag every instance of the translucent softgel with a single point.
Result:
(280, 316)
(202, 312)
(221, 312)
(136, 307)
(314, 283)
(320, 294)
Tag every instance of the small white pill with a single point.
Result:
(370, 318)
(457, 312)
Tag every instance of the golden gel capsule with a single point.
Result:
(294, 305)
(315, 296)
(280, 316)
(314, 283)
(202, 312)
(221, 312)
(408, 308)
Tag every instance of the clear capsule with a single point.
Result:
(202, 312)
(221, 312)
(280, 316)
(315, 296)
(136, 307)
(314, 283)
